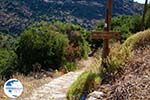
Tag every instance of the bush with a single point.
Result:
(86, 82)
(40, 44)
(70, 66)
(120, 24)
(126, 25)
(7, 41)
(78, 36)
(135, 24)
(7, 63)
(81, 87)
(68, 28)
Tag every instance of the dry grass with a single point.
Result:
(133, 83)
(120, 54)
(128, 77)
(87, 81)
(92, 64)
(29, 83)
(117, 57)
(140, 39)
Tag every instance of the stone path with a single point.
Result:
(56, 89)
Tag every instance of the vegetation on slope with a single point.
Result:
(119, 54)
(138, 40)
(16, 15)
(47, 46)
(7, 63)
(43, 46)
(7, 41)
(85, 83)
(131, 81)
(126, 25)
(7, 55)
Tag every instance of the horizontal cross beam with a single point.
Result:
(105, 35)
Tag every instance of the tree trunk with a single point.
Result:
(143, 17)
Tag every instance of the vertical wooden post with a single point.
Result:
(143, 17)
(107, 28)
(106, 34)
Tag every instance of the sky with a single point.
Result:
(141, 1)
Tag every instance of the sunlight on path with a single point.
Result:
(57, 88)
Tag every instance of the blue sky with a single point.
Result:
(141, 1)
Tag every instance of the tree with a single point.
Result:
(78, 39)
(143, 17)
(147, 21)
(39, 44)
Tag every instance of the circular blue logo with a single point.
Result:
(13, 88)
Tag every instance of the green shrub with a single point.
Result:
(120, 24)
(78, 37)
(126, 25)
(7, 41)
(40, 44)
(135, 24)
(70, 66)
(69, 28)
(7, 63)
(84, 84)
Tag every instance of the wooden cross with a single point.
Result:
(106, 35)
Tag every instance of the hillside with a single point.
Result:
(15, 15)
(133, 84)
(132, 81)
